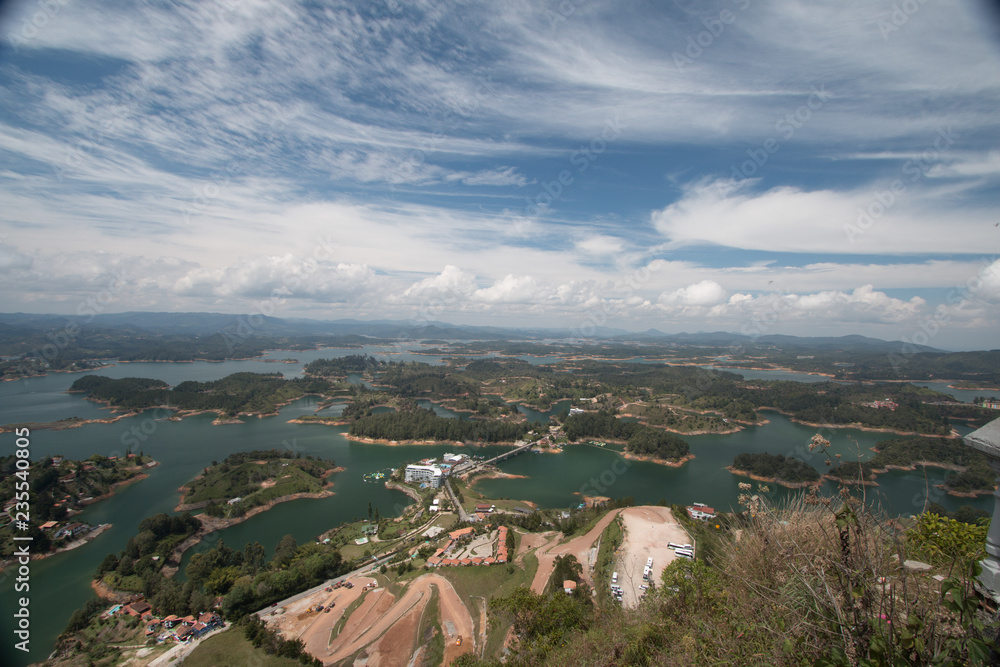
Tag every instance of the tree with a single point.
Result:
(284, 552)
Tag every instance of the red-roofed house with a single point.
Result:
(455, 534)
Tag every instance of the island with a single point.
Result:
(775, 468)
(971, 473)
(247, 480)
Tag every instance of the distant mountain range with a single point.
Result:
(207, 324)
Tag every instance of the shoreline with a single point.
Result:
(663, 462)
(201, 504)
(65, 424)
(398, 443)
(211, 525)
(856, 426)
(324, 422)
(408, 490)
(775, 480)
(117, 485)
(875, 472)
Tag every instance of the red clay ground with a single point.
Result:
(382, 625)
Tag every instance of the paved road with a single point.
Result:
(463, 516)
(361, 570)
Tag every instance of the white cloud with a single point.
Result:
(704, 293)
(875, 220)
(600, 244)
(509, 289)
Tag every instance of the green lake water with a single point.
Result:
(60, 584)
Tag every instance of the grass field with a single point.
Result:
(429, 632)
(611, 538)
(231, 649)
(484, 582)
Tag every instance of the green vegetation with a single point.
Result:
(233, 649)
(255, 478)
(421, 424)
(776, 466)
(676, 419)
(134, 568)
(975, 472)
(803, 585)
(542, 623)
(641, 439)
(54, 489)
(566, 568)
(611, 539)
(429, 631)
(233, 394)
(262, 637)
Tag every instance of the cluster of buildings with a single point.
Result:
(430, 472)
(883, 404)
(441, 557)
(176, 628)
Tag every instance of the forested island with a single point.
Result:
(58, 489)
(640, 440)
(971, 472)
(245, 480)
(775, 468)
(423, 424)
(239, 393)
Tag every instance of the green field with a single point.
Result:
(231, 649)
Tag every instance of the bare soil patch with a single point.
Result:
(648, 529)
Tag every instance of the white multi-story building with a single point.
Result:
(430, 474)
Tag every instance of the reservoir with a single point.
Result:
(61, 584)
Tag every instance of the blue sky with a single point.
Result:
(812, 168)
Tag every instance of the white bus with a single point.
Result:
(614, 578)
(675, 546)
(684, 553)
(649, 562)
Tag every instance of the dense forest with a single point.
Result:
(421, 424)
(640, 439)
(245, 579)
(233, 394)
(776, 466)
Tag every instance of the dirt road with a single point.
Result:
(578, 546)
